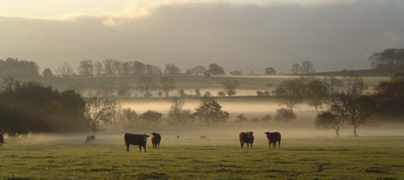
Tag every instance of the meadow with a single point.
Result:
(307, 158)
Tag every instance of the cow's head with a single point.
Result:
(267, 133)
(250, 134)
(145, 137)
(154, 133)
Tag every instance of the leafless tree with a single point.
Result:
(167, 84)
(333, 84)
(98, 69)
(230, 86)
(147, 84)
(65, 70)
(295, 68)
(307, 67)
(177, 115)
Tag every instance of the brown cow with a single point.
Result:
(156, 138)
(273, 138)
(136, 140)
(246, 137)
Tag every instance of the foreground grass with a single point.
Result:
(356, 159)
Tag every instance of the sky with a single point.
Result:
(333, 34)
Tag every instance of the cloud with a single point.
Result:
(262, 33)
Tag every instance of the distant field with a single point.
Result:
(362, 158)
(249, 85)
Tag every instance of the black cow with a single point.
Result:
(273, 138)
(156, 138)
(136, 140)
(89, 139)
(246, 137)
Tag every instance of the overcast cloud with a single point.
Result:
(261, 33)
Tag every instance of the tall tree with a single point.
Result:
(65, 70)
(167, 84)
(389, 97)
(215, 70)
(109, 67)
(354, 84)
(47, 73)
(198, 70)
(171, 69)
(176, 114)
(86, 68)
(151, 117)
(307, 67)
(98, 69)
(269, 70)
(388, 59)
(355, 110)
(230, 86)
(328, 120)
(147, 84)
(316, 93)
(138, 68)
(210, 112)
(295, 68)
(97, 112)
(333, 84)
(292, 93)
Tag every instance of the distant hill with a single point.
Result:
(362, 73)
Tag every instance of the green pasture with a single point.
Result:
(349, 158)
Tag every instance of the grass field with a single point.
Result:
(362, 158)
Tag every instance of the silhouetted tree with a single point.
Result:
(266, 119)
(230, 86)
(354, 84)
(97, 112)
(389, 97)
(316, 93)
(98, 69)
(151, 117)
(47, 73)
(86, 68)
(171, 69)
(65, 70)
(176, 114)
(291, 93)
(215, 70)
(138, 68)
(355, 110)
(210, 112)
(295, 68)
(269, 70)
(147, 84)
(198, 70)
(388, 59)
(198, 92)
(241, 118)
(333, 84)
(307, 67)
(129, 117)
(284, 115)
(167, 84)
(328, 120)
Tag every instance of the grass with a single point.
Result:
(297, 159)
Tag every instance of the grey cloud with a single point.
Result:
(334, 34)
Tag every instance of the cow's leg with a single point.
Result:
(251, 145)
(279, 143)
(127, 147)
(242, 145)
(140, 148)
(144, 148)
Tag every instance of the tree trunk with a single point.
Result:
(336, 132)
(355, 134)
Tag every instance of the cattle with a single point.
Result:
(89, 139)
(273, 138)
(178, 136)
(2, 138)
(156, 138)
(246, 137)
(203, 137)
(136, 140)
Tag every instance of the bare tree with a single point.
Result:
(168, 84)
(97, 112)
(109, 67)
(86, 68)
(147, 84)
(197, 70)
(230, 87)
(295, 68)
(354, 84)
(307, 67)
(177, 115)
(333, 84)
(65, 70)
